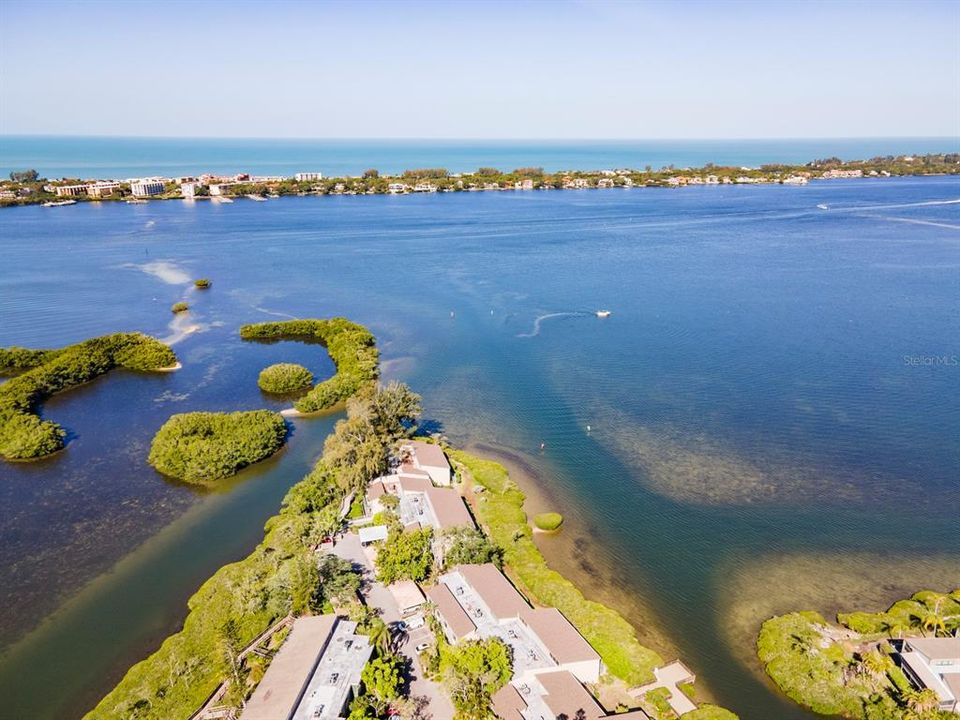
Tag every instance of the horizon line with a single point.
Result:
(483, 139)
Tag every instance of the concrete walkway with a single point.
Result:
(377, 595)
(669, 676)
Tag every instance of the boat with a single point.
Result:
(603, 313)
(58, 203)
(823, 207)
(137, 202)
(221, 199)
(258, 198)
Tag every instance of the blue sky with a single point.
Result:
(481, 70)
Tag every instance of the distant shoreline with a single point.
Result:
(27, 188)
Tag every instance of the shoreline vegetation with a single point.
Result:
(351, 347)
(848, 669)
(204, 447)
(40, 374)
(500, 510)
(27, 188)
(287, 573)
(281, 576)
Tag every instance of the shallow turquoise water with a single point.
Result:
(756, 391)
(124, 157)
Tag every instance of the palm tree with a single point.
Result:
(876, 664)
(933, 621)
(923, 701)
(896, 625)
(379, 634)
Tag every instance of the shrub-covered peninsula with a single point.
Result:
(351, 346)
(203, 447)
(855, 669)
(43, 373)
(280, 577)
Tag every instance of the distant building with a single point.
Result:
(102, 189)
(216, 189)
(307, 176)
(934, 663)
(70, 190)
(188, 189)
(146, 187)
(425, 187)
(315, 674)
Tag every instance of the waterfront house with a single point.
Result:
(934, 663)
(397, 188)
(477, 601)
(428, 457)
(421, 504)
(315, 674)
(188, 189)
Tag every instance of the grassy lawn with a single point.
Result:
(500, 511)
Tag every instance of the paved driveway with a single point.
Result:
(377, 595)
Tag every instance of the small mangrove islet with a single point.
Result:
(179, 307)
(44, 373)
(203, 447)
(351, 347)
(285, 378)
(202, 283)
(548, 521)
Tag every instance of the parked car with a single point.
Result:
(422, 646)
(416, 622)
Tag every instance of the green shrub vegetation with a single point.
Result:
(285, 378)
(23, 435)
(850, 673)
(203, 447)
(548, 521)
(179, 307)
(467, 546)
(202, 283)
(14, 360)
(351, 347)
(500, 510)
(245, 598)
(710, 712)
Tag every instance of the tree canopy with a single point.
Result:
(472, 672)
(406, 555)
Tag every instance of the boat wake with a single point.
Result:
(866, 208)
(549, 316)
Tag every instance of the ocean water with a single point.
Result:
(125, 157)
(767, 420)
